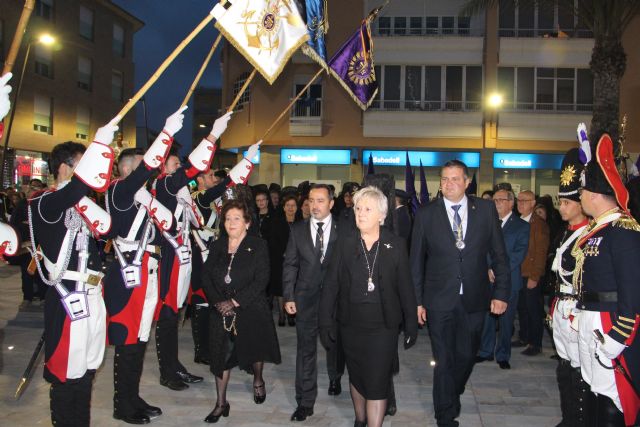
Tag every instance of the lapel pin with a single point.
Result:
(388, 245)
(248, 249)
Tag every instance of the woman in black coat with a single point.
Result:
(368, 287)
(242, 330)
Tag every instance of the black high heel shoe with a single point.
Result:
(259, 398)
(291, 320)
(213, 417)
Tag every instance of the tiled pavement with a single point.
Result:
(524, 396)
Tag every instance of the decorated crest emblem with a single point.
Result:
(360, 70)
(567, 175)
(261, 28)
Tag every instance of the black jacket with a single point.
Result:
(438, 267)
(302, 272)
(394, 282)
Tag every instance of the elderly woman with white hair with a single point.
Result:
(368, 292)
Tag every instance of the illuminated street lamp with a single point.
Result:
(495, 101)
(45, 39)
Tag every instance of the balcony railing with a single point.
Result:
(549, 32)
(426, 32)
(405, 105)
(547, 107)
(307, 108)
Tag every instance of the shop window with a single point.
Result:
(44, 9)
(506, 81)
(415, 24)
(118, 40)
(453, 101)
(384, 26)
(86, 23)
(391, 87)
(433, 87)
(400, 25)
(42, 114)
(412, 87)
(448, 24)
(83, 122)
(245, 98)
(43, 61)
(309, 104)
(524, 88)
(117, 86)
(432, 25)
(85, 71)
(473, 88)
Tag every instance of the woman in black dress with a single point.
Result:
(242, 330)
(369, 280)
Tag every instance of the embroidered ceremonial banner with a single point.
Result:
(265, 32)
(353, 66)
(315, 15)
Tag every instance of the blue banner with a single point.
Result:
(428, 158)
(527, 161)
(314, 157)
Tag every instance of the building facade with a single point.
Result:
(71, 87)
(435, 71)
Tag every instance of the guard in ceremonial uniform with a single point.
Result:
(607, 258)
(63, 224)
(574, 392)
(131, 282)
(206, 197)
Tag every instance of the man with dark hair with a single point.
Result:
(607, 256)
(304, 267)
(206, 197)
(131, 291)
(449, 271)
(62, 223)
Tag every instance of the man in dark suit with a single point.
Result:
(452, 238)
(516, 240)
(310, 243)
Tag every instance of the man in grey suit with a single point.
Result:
(516, 239)
(310, 243)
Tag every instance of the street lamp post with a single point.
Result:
(47, 40)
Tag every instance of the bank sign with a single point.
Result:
(255, 160)
(290, 156)
(527, 161)
(428, 158)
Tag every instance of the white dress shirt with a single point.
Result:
(326, 231)
(527, 218)
(506, 218)
(463, 212)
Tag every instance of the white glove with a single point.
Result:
(104, 135)
(611, 348)
(5, 89)
(253, 151)
(220, 125)
(174, 121)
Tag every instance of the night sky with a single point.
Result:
(167, 23)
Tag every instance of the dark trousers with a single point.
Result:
(307, 362)
(70, 402)
(455, 339)
(167, 348)
(501, 347)
(200, 331)
(531, 314)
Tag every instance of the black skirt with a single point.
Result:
(370, 351)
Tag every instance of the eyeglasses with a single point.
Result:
(525, 200)
(500, 200)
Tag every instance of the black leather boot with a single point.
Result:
(200, 332)
(139, 403)
(563, 375)
(167, 349)
(61, 404)
(608, 414)
(82, 399)
(125, 386)
(580, 392)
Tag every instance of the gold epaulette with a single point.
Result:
(627, 222)
(197, 193)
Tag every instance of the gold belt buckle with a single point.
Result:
(93, 279)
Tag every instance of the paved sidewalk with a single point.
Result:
(524, 396)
